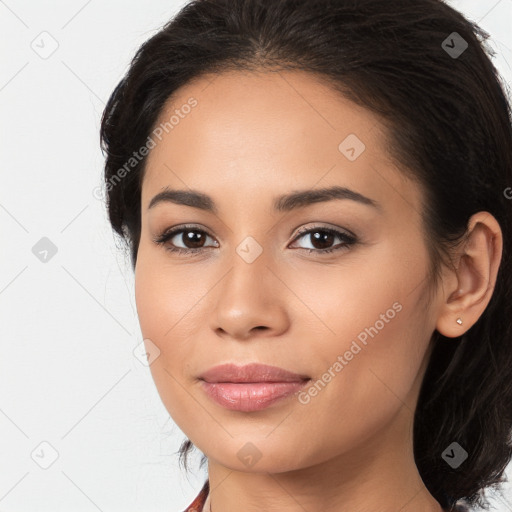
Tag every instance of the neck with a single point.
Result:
(278, 493)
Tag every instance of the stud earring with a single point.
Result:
(459, 321)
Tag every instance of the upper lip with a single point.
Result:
(253, 372)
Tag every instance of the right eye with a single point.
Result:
(193, 236)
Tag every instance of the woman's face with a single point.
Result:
(260, 289)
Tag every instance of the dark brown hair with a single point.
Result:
(449, 123)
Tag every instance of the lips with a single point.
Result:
(253, 372)
(251, 387)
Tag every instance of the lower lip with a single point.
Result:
(250, 396)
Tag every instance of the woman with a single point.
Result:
(316, 200)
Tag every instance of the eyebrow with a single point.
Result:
(283, 203)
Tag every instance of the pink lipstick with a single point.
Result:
(250, 387)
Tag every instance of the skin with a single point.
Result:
(252, 137)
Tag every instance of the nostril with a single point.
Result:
(261, 327)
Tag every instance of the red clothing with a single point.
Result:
(198, 503)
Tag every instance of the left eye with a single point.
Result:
(324, 237)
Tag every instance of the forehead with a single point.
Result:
(274, 129)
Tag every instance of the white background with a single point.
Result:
(68, 327)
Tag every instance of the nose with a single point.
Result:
(250, 301)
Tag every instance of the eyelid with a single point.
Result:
(306, 229)
(300, 231)
(184, 227)
(173, 231)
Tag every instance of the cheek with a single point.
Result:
(371, 327)
(167, 298)
(369, 314)
(162, 311)
(172, 306)
(163, 308)
(364, 366)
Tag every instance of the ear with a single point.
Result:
(468, 288)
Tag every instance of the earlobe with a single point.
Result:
(478, 263)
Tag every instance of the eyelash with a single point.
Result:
(348, 240)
